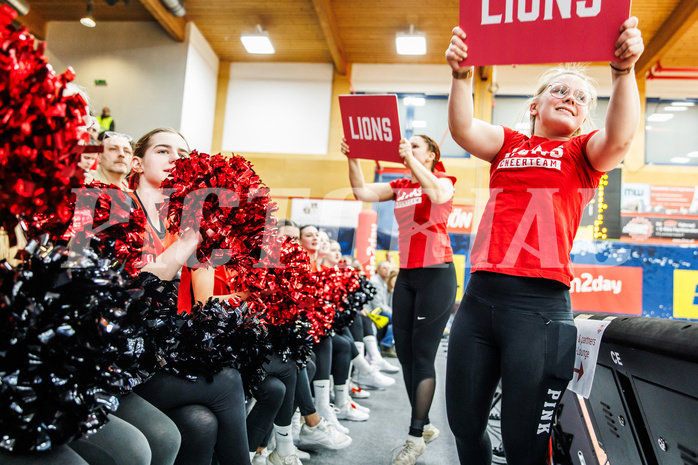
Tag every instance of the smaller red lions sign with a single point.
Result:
(607, 289)
(371, 126)
(517, 32)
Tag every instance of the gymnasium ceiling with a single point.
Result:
(356, 31)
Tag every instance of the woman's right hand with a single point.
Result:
(457, 51)
(344, 147)
(186, 244)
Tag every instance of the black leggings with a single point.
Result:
(422, 303)
(274, 404)
(361, 327)
(343, 352)
(199, 426)
(323, 358)
(223, 396)
(304, 397)
(519, 329)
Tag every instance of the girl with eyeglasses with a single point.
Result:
(514, 321)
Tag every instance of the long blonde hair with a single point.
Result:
(550, 76)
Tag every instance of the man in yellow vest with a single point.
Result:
(106, 122)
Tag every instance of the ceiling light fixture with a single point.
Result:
(660, 117)
(88, 20)
(414, 101)
(257, 42)
(411, 43)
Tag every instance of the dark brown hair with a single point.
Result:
(432, 146)
(142, 146)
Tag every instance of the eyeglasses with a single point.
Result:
(126, 137)
(581, 97)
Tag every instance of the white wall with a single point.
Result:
(278, 108)
(200, 87)
(144, 69)
(511, 80)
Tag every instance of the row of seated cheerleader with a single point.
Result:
(174, 419)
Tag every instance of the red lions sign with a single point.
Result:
(371, 126)
(516, 32)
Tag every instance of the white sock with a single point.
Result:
(417, 440)
(322, 394)
(252, 454)
(284, 440)
(372, 348)
(360, 363)
(340, 395)
(360, 347)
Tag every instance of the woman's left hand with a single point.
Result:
(629, 45)
(405, 150)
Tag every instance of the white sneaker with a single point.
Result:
(301, 454)
(330, 415)
(259, 459)
(322, 436)
(351, 413)
(430, 433)
(383, 365)
(360, 408)
(374, 379)
(275, 459)
(358, 393)
(409, 454)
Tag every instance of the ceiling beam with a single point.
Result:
(35, 23)
(175, 27)
(325, 14)
(680, 21)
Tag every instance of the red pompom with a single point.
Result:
(40, 129)
(225, 199)
(112, 222)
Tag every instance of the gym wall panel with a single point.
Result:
(199, 95)
(278, 108)
(143, 67)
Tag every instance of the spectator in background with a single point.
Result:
(87, 160)
(114, 162)
(383, 301)
(93, 130)
(288, 228)
(106, 122)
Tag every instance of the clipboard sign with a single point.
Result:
(371, 126)
(517, 32)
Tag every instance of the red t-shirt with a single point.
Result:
(422, 233)
(538, 189)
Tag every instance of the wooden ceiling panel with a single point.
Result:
(368, 28)
(293, 28)
(73, 10)
(685, 52)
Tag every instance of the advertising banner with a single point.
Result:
(659, 229)
(607, 289)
